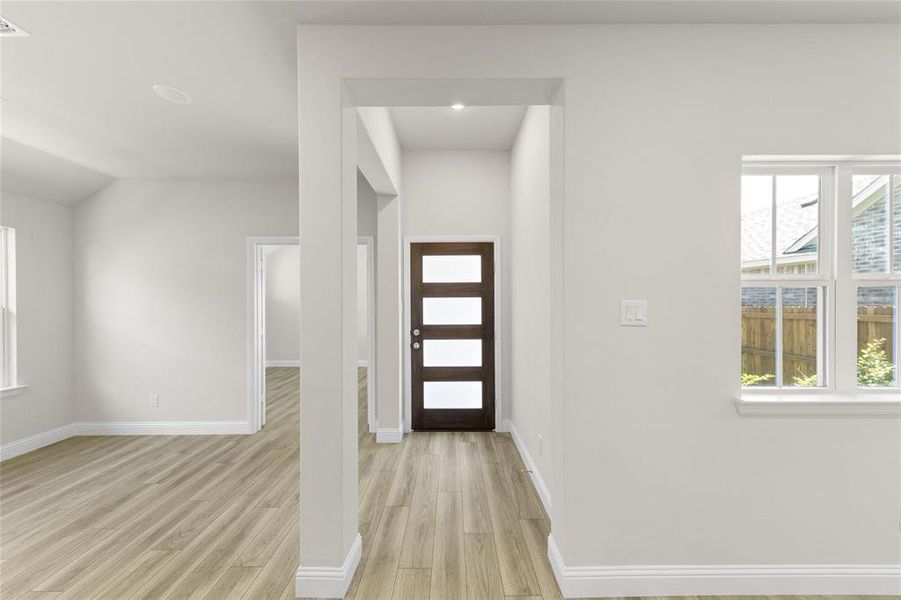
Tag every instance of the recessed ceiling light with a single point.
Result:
(457, 106)
(172, 94)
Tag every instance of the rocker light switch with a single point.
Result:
(634, 313)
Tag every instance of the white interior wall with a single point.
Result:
(282, 264)
(657, 119)
(362, 304)
(367, 226)
(44, 319)
(460, 193)
(378, 155)
(367, 208)
(160, 295)
(531, 399)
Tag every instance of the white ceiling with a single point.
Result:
(569, 12)
(29, 172)
(79, 88)
(443, 128)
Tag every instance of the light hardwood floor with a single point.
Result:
(151, 517)
(443, 516)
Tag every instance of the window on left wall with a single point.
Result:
(8, 377)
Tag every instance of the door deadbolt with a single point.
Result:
(415, 332)
(416, 345)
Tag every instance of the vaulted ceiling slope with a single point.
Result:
(29, 172)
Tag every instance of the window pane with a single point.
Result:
(896, 219)
(451, 269)
(452, 394)
(797, 221)
(758, 336)
(756, 223)
(800, 332)
(452, 353)
(869, 224)
(876, 309)
(452, 311)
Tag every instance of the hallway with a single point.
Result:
(450, 515)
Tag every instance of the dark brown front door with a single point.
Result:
(452, 335)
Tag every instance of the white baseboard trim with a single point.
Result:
(36, 441)
(283, 363)
(328, 582)
(722, 580)
(58, 434)
(162, 428)
(540, 486)
(389, 435)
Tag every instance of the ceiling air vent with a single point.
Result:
(10, 29)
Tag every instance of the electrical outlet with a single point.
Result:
(154, 400)
(540, 445)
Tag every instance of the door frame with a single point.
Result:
(256, 351)
(371, 360)
(499, 424)
(256, 306)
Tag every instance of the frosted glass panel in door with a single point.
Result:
(452, 394)
(452, 353)
(451, 311)
(452, 269)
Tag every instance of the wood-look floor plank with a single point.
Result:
(476, 516)
(412, 584)
(382, 564)
(516, 567)
(400, 492)
(535, 532)
(448, 560)
(420, 539)
(233, 584)
(280, 568)
(483, 575)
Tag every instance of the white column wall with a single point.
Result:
(328, 206)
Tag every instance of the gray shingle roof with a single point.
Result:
(794, 220)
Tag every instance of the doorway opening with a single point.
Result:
(273, 323)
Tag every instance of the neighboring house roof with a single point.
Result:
(797, 222)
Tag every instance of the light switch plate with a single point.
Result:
(633, 313)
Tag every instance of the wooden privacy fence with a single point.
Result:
(799, 338)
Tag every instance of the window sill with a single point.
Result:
(13, 390)
(866, 403)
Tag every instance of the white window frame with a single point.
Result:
(890, 278)
(8, 366)
(837, 346)
(823, 279)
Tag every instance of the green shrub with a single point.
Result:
(802, 380)
(873, 366)
(751, 379)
